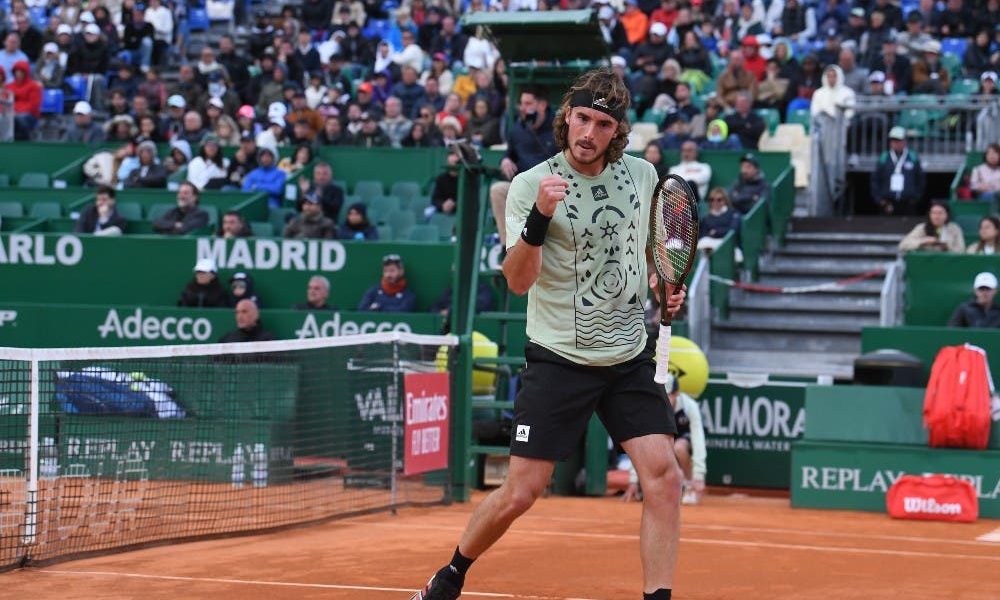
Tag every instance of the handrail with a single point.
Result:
(700, 306)
(890, 296)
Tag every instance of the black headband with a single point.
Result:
(587, 99)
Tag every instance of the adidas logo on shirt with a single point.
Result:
(522, 433)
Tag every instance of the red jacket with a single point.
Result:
(957, 401)
(27, 92)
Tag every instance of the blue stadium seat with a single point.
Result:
(39, 16)
(198, 19)
(954, 46)
(796, 105)
(52, 101)
(78, 87)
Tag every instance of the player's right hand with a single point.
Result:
(551, 190)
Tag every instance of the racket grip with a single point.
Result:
(662, 355)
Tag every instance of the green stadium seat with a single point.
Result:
(4, 180)
(385, 205)
(368, 189)
(969, 223)
(33, 180)
(653, 116)
(915, 121)
(158, 210)
(11, 209)
(802, 116)
(771, 116)
(445, 224)
(384, 232)
(418, 205)
(402, 221)
(423, 233)
(276, 216)
(47, 210)
(213, 213)
(132, 211)
(262, 229)
(965, 86)
(405, 190)
(341, 184)
(953, 63)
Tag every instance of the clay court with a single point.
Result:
(732, 546)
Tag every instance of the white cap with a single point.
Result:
(605, 13)
(92, 29)
(64, 29)
(618, 61)
(177, 101)
(658, 29)
(897, 133)
(50, 47)
(87, 17)
(985, 280)
(82, 108)
(277, 109)
(216, 102)
(205, 265)
(991, 75)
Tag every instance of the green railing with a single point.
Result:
(723, 264)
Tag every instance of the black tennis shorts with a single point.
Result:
(558, 397)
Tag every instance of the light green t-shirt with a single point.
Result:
(587, 303)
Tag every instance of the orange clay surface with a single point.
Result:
(564, 548)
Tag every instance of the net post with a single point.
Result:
(397, 418)
(31, 499)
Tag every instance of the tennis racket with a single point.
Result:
(673, 242)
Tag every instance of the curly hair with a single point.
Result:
(601, 82)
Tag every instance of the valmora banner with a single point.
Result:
(427, 414)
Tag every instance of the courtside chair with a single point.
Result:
(33, 180)
(47, 210)
(130, 211)
(11, 209)
(406, 191)
(424, 233)
(368, 189)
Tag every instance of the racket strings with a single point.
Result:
(674, 231)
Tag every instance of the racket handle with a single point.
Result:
(662, 355)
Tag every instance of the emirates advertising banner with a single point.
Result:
(427, 416)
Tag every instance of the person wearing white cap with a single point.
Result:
(204, 290)
(49, 69)
(897, 183)
(988, 83)
(981, 312)
(83, 129)
(929, 76)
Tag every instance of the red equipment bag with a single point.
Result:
(957, 401)
(932, 498)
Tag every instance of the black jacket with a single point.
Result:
(316, 13)
(913, 179)
(153, 176)
(212, 295)
(748, 128)
(307, 306)
(254, 334)
(88, 223)
(190, 220)
(745, 194)
(717, 226)
(527, 146)
(445, 187)
(88, 58)
(330, 196)
(972, 314)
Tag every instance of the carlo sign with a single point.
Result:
(427, 409)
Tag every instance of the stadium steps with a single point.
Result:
(816, 333)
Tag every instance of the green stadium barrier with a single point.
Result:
(783, 204)
(936, 283)
(892, 415)
(972, 160)
(726, 165)
(925, 342)
(753, 236)
(855, 476)
(19, 158)
(67, 326)
(152, 270)
(749, 431)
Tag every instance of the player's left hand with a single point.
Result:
(676, 299)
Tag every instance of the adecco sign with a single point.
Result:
(137, 327)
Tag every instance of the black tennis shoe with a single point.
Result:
(440, 587)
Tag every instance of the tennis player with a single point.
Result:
(576, 240)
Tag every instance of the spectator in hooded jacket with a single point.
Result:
(356, 225)
(27, 100)
(241, 287)
(391, 294)
(149, 173)
(267, 177)
(204, 290)
(834, 93)
(717, 137)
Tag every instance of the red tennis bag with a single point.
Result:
(932, 498)
(957, 401)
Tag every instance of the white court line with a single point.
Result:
(983, 540)
(324, 586)
(992, 537)
(810, 547)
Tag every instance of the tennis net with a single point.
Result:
(106, 449)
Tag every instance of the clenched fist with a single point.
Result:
(551, 191)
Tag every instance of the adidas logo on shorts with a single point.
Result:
(522, 433)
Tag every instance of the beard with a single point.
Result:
(598, 153)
